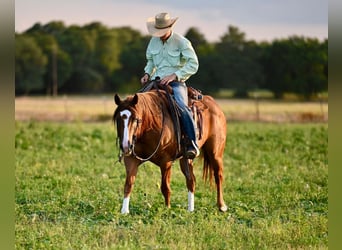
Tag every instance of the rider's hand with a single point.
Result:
(167, 79)
(144, 79)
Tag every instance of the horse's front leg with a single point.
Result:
(165, 183)
(131, 165)
(187, 169)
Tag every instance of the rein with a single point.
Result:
(159, 142)
(147, 87)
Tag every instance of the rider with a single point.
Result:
(172, 58)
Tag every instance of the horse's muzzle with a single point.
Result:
(127, 150)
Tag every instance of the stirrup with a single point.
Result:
(192, 151)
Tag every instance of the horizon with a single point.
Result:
(269, 21)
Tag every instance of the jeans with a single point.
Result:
(180, 93)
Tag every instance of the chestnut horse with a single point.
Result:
(146, 133)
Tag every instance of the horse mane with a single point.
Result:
(151, 107)
(148, 108)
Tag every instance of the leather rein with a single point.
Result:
(134, 140)
(138, 122)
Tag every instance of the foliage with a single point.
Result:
(69, 190)
(198, 41)
(238, 62)
(30, 64)
(297, 65)
(133, 59)
(94, 58)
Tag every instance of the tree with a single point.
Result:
(204, 79)
(94, 58)
(58, 68)
(106, 50)
(80, 44)
(133, 61)
(55, 28)
(197, 39)
(297, 65)
(234, 38)
(30, 65)
(237, 62)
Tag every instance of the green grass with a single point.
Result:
(69, 190)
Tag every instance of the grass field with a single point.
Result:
(69, 189)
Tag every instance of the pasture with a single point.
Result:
(69, 190)
(99, 108)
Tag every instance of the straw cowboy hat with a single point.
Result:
(160, 24)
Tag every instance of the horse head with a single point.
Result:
(127, 122)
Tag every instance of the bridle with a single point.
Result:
(138, 122)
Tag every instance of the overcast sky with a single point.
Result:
(258, 19)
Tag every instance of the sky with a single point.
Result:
(260, 20)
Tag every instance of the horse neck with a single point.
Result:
(150, 111)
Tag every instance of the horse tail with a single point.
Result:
(208, 171)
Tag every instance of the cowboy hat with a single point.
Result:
(160, 24)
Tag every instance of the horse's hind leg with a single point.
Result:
(187, 169)
(218, 174)
(214, 159)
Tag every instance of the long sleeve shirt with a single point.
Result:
(175, 55)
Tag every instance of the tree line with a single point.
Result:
(55, 58)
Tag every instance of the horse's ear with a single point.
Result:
(135, 99)
(117, 99)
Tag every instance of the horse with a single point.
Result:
(146, 132)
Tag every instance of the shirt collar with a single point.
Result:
(167, 40)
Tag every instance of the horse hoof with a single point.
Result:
(191, 210)
(123, 211)
(223, 208)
